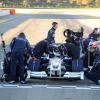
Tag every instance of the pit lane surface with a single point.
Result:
(11, 21)
(47, 91)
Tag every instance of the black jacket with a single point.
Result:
(20, 45)
(74, 38)
(94, 36)
(51, 35)
(70, 49)
(41, 48)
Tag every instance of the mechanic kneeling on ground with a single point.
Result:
(94, 73)
(19, 46)
(94, 36)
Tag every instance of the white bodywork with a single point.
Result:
(55, 65)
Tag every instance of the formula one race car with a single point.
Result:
(56, 66)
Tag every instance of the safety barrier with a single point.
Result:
(89, 12)
(4, 12)
(12, 11)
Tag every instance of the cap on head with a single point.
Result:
(96, 28)
(21, 34)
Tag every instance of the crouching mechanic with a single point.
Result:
(94, 73)
(41, 48)
(19, 46)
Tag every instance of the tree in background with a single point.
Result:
(60, 3)
(97, 2)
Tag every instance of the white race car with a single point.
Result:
(55, 67)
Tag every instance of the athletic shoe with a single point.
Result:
(11, 82)
(23, 82)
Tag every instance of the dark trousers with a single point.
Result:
(17, 60)
(73, 50)
(94, 73)
(92, 76)
(86, 60)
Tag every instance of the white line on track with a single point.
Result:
(51, 87)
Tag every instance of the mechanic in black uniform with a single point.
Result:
(72, 43)
(42, 47)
